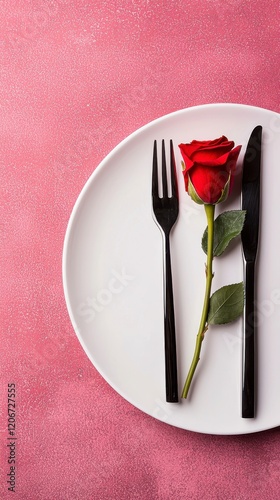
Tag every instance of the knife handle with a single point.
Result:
(248, 348)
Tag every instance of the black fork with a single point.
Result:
(166, 209)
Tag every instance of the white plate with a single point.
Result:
(112, 273)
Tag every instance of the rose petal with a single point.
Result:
(229, 156)
(212, 154)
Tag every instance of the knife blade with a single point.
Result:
(249, 238)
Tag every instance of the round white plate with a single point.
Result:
(112, 274)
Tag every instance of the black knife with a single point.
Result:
(249, 238)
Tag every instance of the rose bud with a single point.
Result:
(209, 168)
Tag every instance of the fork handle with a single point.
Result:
(171, 382)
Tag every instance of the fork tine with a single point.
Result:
(174, 183)
(155, 172)
(164, 174)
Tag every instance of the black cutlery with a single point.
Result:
(249, 238)
(166, 209)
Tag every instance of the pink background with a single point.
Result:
(77, 77)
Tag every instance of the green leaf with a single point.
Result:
(226, 304)
(227, 226)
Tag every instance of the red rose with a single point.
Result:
(209, 168)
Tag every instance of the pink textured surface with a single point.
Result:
(76, 77)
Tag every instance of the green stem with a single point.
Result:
(209, 210)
